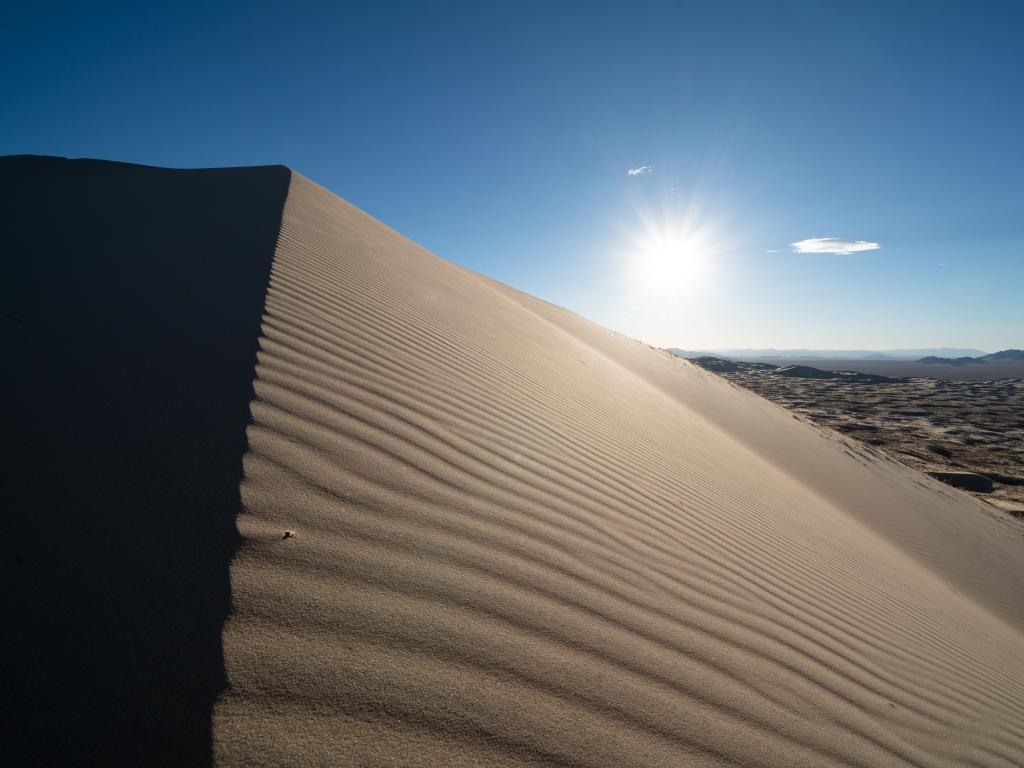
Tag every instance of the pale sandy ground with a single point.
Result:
(524, 540)
(519, 539)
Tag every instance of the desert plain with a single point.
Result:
(951, 420)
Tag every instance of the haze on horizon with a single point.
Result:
(696, 176)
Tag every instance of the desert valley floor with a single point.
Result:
(291, 490)
(934, 424)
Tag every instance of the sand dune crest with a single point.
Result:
(525, 540)
(518, 539)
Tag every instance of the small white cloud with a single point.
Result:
(642, 170)
(673, 190)
(772, 250)
(833, 245)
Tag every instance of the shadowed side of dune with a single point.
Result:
(131, 301)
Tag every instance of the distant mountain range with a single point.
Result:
(736, 353)
(1007, 355)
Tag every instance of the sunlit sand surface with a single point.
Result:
(524, 540)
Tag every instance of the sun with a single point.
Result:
(669, 260)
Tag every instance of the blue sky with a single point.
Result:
(500, 136)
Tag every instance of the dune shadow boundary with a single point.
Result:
(132, 299)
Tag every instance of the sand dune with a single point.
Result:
(521, 539)
(131, 301)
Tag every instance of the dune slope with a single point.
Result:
(522, 540)
(517, 538)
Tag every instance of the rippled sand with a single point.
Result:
(472, 528)
(521, 539)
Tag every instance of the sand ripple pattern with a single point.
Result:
(512, 548)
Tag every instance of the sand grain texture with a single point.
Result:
(524, 540)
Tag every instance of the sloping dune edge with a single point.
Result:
(520, 539)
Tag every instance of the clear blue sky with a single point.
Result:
(500, 136)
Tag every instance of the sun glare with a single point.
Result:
(669, 261)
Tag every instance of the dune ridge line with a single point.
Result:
(521, 539)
